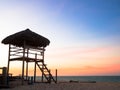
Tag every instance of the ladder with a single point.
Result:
(46, 72)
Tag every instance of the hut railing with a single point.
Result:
(17, 52)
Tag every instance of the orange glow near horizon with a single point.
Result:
(73, 62)
(78, 71)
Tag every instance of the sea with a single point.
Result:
(88, 78)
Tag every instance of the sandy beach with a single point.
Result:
(69, 86)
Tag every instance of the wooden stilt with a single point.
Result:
(35, 68)
(8, 60)
(43, 63)
(43, 55)
(23, 72)
(23, 64)
(42, 75)
(26, 70)
(27, 65)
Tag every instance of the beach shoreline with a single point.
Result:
(66, 86)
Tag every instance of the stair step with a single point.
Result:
(45, 70)
(42, 65)
(47, 74)
(38, 61)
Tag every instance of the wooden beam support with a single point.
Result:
(8, 60)
(26, 70)
(27, 65)
(35, 68)
(23, 64)
(42, 53)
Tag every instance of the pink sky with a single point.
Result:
(84, 35)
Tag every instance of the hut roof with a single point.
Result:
(30, 38)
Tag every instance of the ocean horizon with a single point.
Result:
(87, 78)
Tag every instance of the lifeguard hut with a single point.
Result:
(27, 46)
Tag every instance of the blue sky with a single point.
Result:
(80, 27)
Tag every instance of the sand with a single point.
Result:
(69, 86)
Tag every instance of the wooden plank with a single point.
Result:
(16, 50)
(36, 48)
(26, 59)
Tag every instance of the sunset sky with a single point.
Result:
(84, 34)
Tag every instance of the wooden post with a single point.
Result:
(26, 70)
(23, 64)
(27, 65)
(43, 62)
(8, 60)
(35, 68)
(43, 54)
(56, 75)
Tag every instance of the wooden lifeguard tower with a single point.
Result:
(28, 46)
